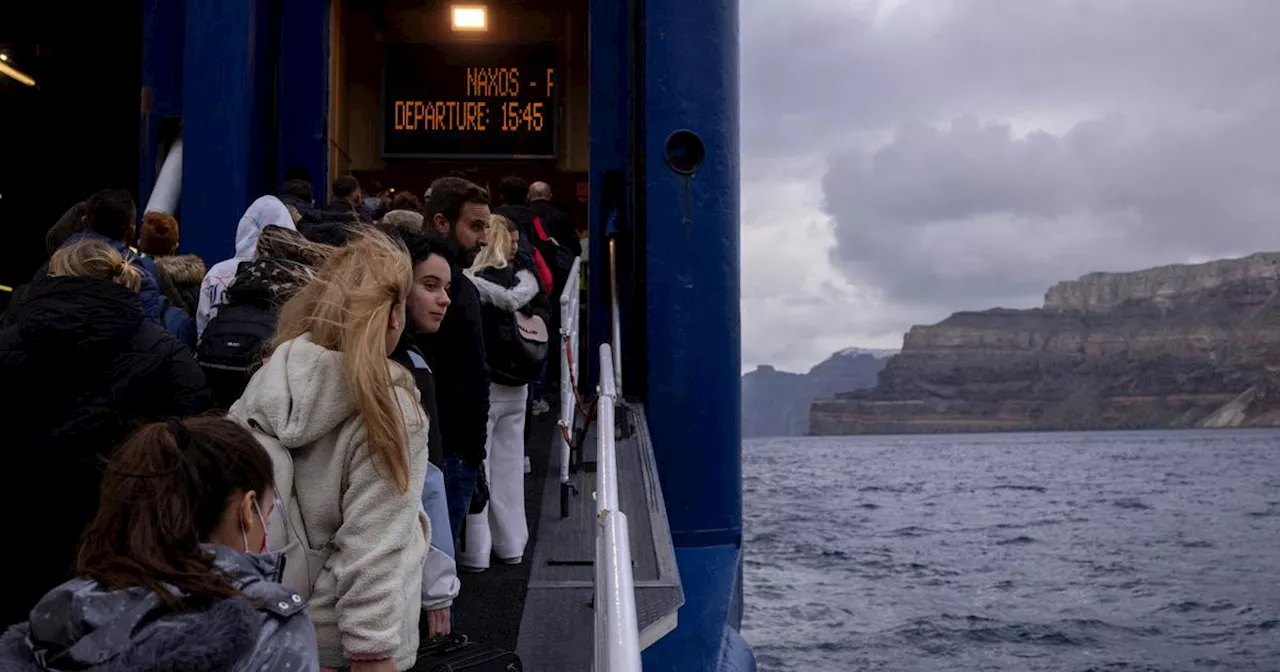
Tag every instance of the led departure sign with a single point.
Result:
(469, 101)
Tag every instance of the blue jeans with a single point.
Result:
(459, 482)
(435, 502)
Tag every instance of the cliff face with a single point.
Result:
(776, 403)
(1100, 292)
(1176, 346)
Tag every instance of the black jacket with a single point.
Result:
(82, 625)
(522, 217)
(456, 354)
(408, 355)
(79, 370)
(330, 226)
(557, 225)
(508, 365)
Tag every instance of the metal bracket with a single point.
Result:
(566, 489)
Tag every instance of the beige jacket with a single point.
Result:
(366, 601)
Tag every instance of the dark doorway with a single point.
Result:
(73, 133)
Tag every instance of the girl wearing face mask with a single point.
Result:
(346, 422)
(169, 575)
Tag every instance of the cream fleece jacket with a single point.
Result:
(366, 602)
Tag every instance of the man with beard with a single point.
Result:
(458, 213)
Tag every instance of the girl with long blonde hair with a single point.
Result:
(509, 311)
(343, 424)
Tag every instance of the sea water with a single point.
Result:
(1065, 551)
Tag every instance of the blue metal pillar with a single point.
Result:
(163, 29)
(691, 247)
(302, 99)
(690, 75)
(609, 38)
(226, 109)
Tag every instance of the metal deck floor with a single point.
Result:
(542, 608)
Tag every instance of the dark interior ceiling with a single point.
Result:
(74, 133)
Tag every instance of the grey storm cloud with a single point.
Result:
(1164, 142)
(972, 212)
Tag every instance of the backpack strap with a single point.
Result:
(545, 277)
(303, 562)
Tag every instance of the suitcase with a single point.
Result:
(455, 653)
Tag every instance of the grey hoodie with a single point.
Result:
(81, 626)
(367, 599)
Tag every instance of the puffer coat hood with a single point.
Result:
(82, 626)
(183, 269)
(267, 283)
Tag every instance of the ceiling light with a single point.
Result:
(6, 69)
(4, 57)
(469, 17)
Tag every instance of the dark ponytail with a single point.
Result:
(163, 493)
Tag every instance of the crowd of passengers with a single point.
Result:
(270, 464)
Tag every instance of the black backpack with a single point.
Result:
(559, 259)
(233, 346)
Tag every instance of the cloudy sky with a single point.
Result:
(904, 159)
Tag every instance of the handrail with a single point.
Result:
(614, 315)
(168, 188)
(607, 460)
(570, 311)
(617, 632)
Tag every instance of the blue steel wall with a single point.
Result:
(250, 81)
(610, 120)
(693, 350)
(302, 86)
(691, 248)
(163, 28)
(222, 169)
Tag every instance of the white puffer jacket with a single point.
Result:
(367, 600)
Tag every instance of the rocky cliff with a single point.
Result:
(776, 403)
(1175, 346)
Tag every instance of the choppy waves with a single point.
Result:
(1107, 552)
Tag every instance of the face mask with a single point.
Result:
(244, 534)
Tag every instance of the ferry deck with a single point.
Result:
(629, 109)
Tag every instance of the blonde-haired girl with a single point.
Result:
(333, 410)
(95, 259)
(508, 296)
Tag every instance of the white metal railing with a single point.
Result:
(168, 189)
(617, 633)
(570, 311)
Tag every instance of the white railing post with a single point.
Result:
(616, 341)
(607, 460)
(569, 312)
(168, 187)
(617, 631)
(570, 309)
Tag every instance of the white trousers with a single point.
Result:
(501, 529)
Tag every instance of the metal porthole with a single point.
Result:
(685, 152)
